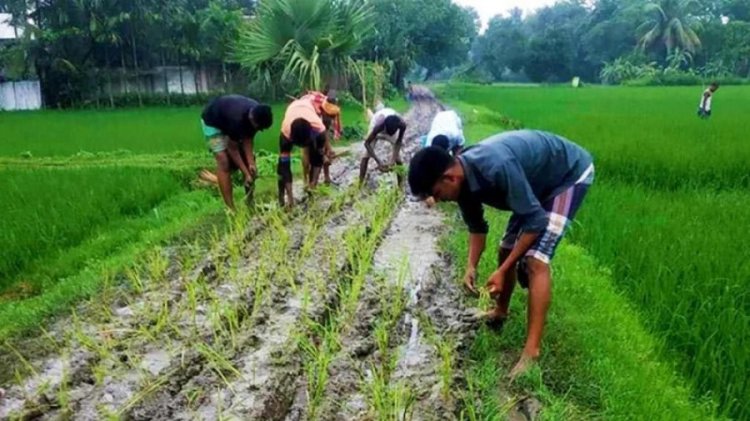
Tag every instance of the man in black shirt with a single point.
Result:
(229, 125)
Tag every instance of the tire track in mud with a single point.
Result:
(400, 356)
(421, 363)
(68, 374)
(229, 357)
(267, 366)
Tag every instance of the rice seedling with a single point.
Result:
(156, 265)
(218, 363)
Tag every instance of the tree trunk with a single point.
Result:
(123, 81)
(224, 74)
(135, 66)
(108, 69)
(196, 76)
(179, 67)
(166, 78)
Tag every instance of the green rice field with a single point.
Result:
(667, 219)
(651, 310)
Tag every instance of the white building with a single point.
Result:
(7, 32)
(20, 95)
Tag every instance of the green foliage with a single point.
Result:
(159, 131)
(74, 46)
(502, 45)
(433, 34)
(132, 100)
(354, 133)
(568, 39)
(671, 24)
(650, 211)
(308, 41)
(37, 225)
(696, 308)
(621, 70)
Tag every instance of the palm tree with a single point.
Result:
(670, 26)
(307, 40)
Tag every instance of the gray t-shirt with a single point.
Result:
(516, 171)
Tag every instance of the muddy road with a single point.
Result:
(345, 309)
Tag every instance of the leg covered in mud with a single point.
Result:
(284, 181)
(363, 169)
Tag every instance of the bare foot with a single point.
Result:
(496, 313)
(495, 318)
(523, 365)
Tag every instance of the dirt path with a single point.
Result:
(344, 310)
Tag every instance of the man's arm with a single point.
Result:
(477, 242)
(368, 144)
(522, 201)
(473, 215)
(523, 245)
(248, 148)
(233, 150)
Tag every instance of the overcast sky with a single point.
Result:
(489, 8)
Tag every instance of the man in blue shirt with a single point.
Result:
(542, 178)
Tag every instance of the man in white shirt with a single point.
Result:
(384, 125)
(446, 132)
(704, 108)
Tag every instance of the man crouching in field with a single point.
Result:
(542, 178)
(230, 123)
(304, 128)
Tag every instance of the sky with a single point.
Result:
(489, 8)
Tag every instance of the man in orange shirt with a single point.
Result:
(326, 107)
(304, 128)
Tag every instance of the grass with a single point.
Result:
(681, 257)
(158, 131)
(598, 360)
(667, 216)
(82, 270)
(45, 211)
(649, 136)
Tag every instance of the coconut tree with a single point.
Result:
(671, 25)
(309, 41)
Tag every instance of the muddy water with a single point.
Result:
(165, 378)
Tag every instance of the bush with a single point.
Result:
(671, 78)
(130, 100)
(353, 132)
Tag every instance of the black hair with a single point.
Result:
(301, 130)
(426, 168)
(262, 116)
(441, 141)
(392, 124)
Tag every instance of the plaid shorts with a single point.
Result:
(561, 209)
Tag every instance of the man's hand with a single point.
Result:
(252, 169)
(470, 278)
(496, 282)
(249, 179)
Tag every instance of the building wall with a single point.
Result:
(23, 95)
